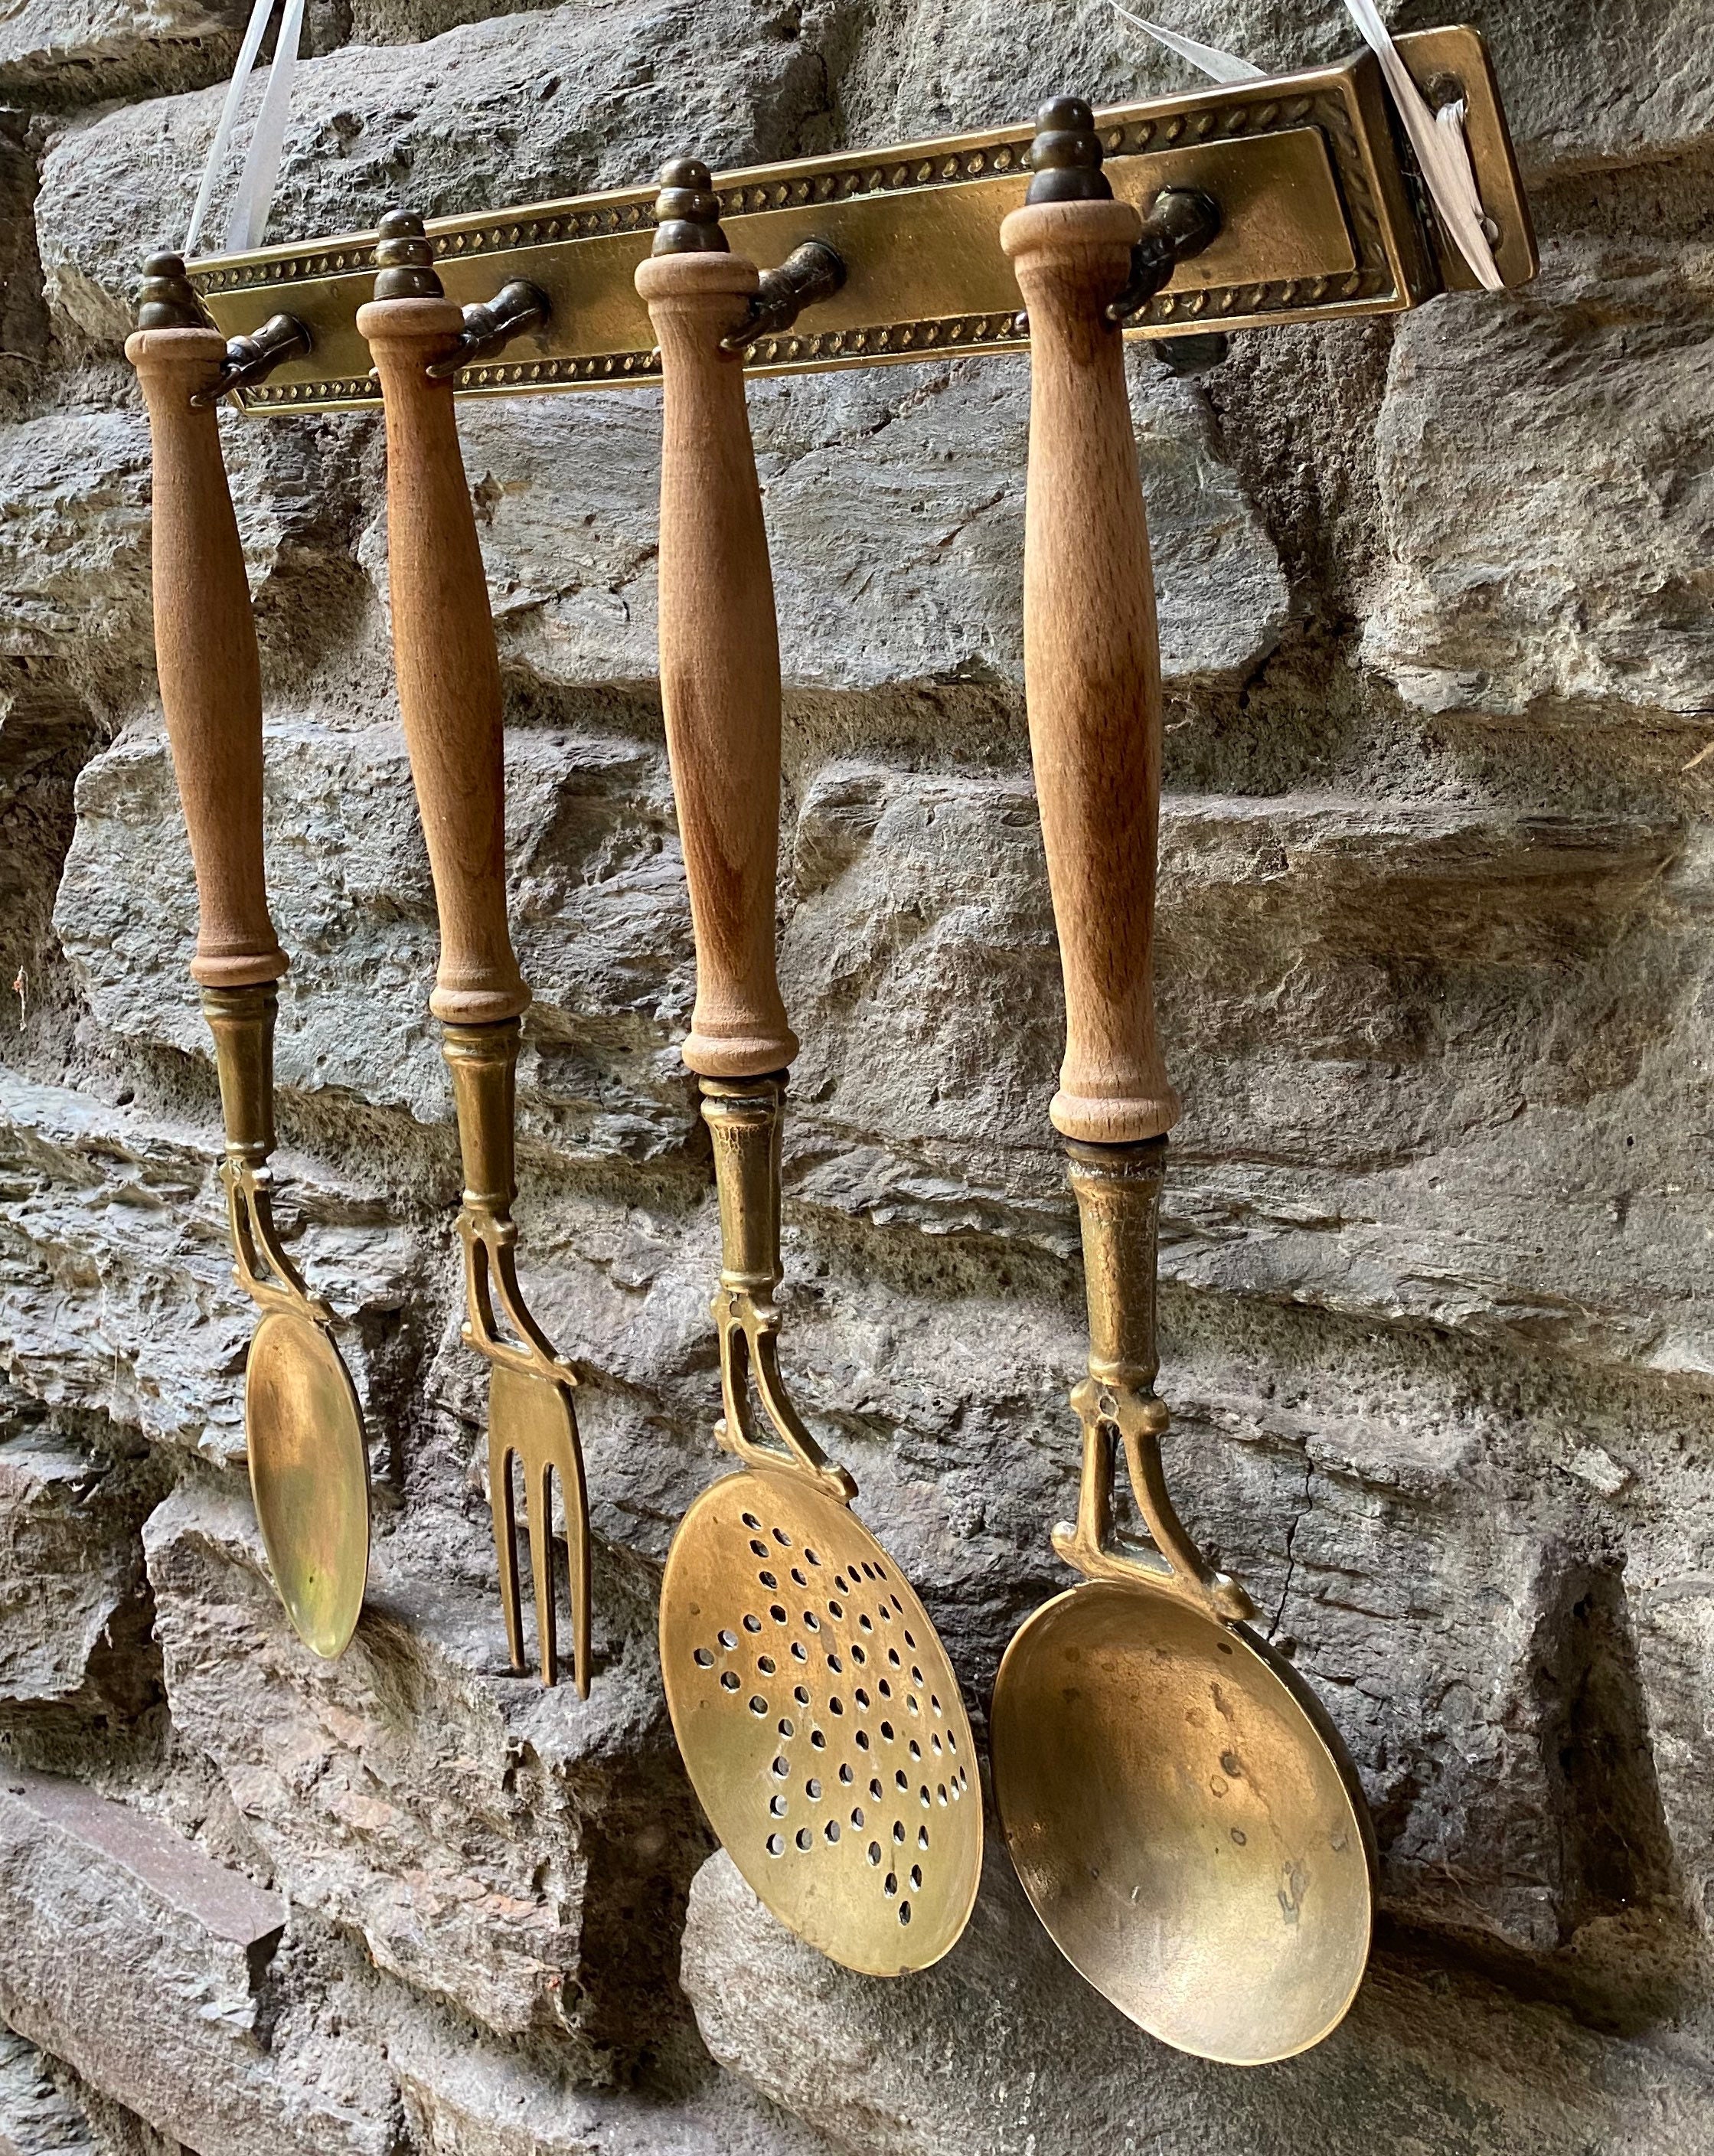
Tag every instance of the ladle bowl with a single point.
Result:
(1184, 1820)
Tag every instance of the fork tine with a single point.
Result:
(506, 1542)
(540, 1500)
(568, 1465)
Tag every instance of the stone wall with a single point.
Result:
(1437, 930)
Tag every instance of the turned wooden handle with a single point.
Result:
(720, 664)
(205, 654)
(444, 655)
(1091, 664)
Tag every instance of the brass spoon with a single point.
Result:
(818, 1715)
(1178, 1806)
(449, 699)
(304, 1431)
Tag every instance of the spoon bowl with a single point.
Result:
(309, 1477)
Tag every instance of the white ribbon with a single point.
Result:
(1438, 138)
(248, 219)
(1223, 67)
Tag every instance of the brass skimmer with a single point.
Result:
(450, 697)
(1178, 1806)
(814, 1705)
(309, 1466)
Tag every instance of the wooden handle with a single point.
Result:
(205, 654)
(1091, 664)
(448, 668)
(720, 664)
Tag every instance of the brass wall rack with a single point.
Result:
(1323, 215)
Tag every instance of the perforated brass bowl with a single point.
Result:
(309, 1477)
(1185, 1820)
(821, 1723)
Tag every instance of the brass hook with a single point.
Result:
(809, 274)
(252, 358)
(489, 325)
(687, 221)
(1180, 222)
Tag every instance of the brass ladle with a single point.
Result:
(1178, 1806)
(303, 1429)
(818, 1715)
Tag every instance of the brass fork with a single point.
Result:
(530, 1416)
(450, 702)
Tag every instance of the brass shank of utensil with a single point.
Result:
(242, 1022)
(484, 1063)
(1118, 1192)
(483, 1060)
(743, 1118)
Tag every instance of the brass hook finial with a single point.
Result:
(168, 300)
(405, 259)
(687, 210)
(1180, 222)
(1065, 154)
(687, 221)
(490, 325)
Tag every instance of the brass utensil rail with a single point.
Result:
(1323, 216)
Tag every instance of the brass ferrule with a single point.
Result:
(242, 1023)
(484, 1063)
(744, 1118)
(1118, 1191)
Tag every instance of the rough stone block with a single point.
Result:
(68, 1561)
(1546, 497)
(473, 2098)
(1003, 2047)
(895, 506)
(1408, 943)
(36, 2119)
(144, 1965)
(921, 969)
(77, 52)
(74, 535)
(115, 1272)
(1582, 89)
(598, 916)
(473, 1829)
